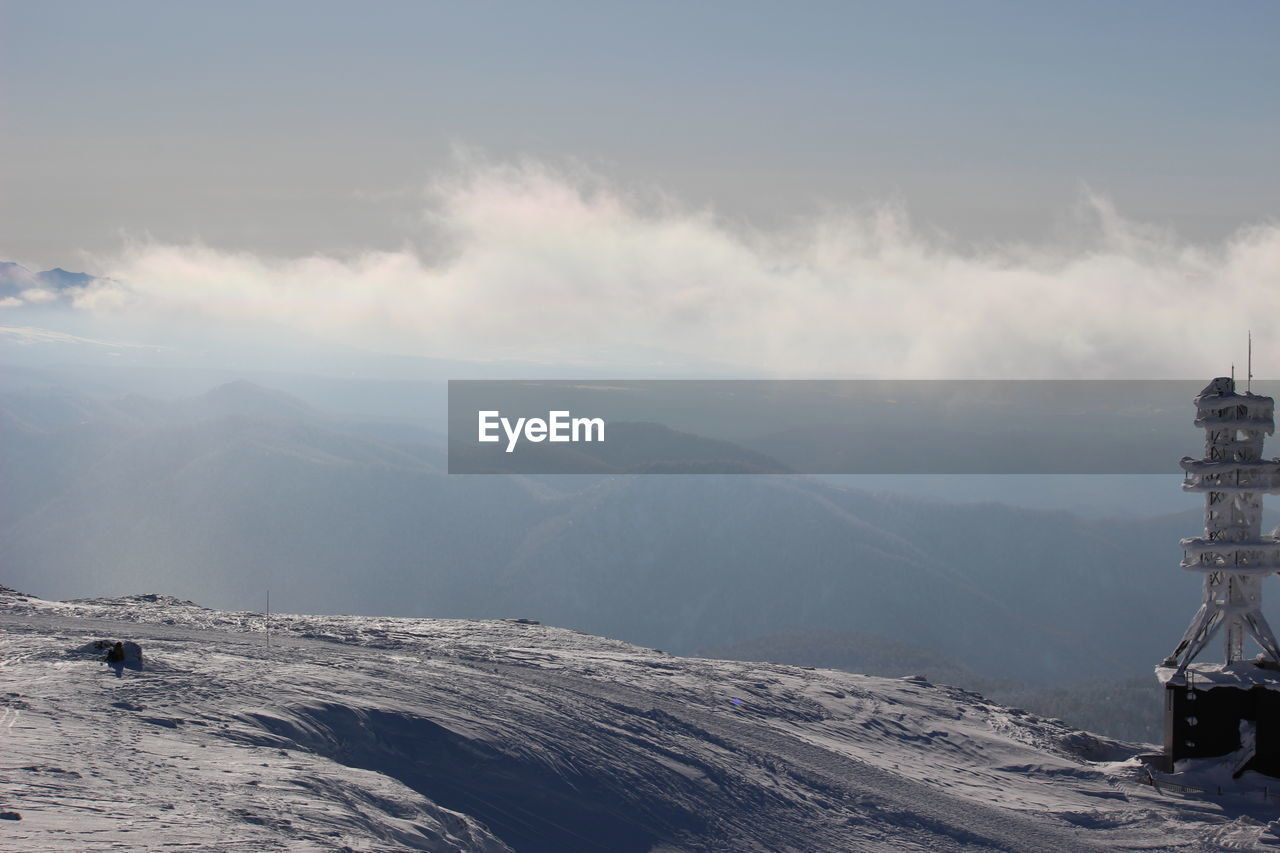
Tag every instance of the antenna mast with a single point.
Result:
(1248, 385)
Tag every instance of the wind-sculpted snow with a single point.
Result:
(355, 733)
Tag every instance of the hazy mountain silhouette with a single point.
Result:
(630, 448)
(15, 278)
(220, 496)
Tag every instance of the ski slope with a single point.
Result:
(380, 734)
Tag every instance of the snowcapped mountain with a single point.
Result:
(373, 734)
(19, 285)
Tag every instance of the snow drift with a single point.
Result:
(338, 733)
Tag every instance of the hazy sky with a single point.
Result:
(813, 187)
(293, 127)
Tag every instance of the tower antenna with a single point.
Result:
(1248, 385)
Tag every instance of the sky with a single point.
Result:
(932, 188)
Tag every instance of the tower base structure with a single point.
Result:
(1225, 711)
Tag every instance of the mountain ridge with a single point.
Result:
(216, 501)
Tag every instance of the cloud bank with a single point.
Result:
(527, 262)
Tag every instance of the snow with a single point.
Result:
(1241, 675)
(357, 733)
(1219, 399)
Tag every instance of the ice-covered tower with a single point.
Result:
(1206, 704)
(1233, 554)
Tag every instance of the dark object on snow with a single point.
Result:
(10, 816)
(119, 655)
(126, 652)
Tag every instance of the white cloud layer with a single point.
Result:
(525, 262)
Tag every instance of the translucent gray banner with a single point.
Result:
(825, 426)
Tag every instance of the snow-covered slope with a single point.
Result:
(356, 733)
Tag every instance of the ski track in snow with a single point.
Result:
(379, 734)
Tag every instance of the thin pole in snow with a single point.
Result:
(268, 618)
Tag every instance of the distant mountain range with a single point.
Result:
(632, 448)
(220, 496)
(19, 285)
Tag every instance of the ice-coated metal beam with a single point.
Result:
(1212, 475)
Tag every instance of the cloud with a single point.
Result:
(531, 263)
(27, 335)
(35, 296)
